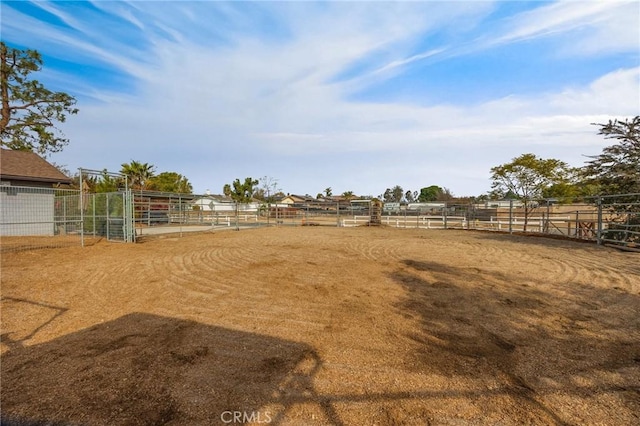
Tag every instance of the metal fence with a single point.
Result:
(612, 220)
(45, 217)
(38, 217)
(32, 218)
(607, 219)
(107, 215)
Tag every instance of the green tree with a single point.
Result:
(430, 193)
(617, 169)
(393, 195)
(138, 174)
(409, 196)
(170, 182)
(104, 183)
(527, 176)
(29, 110)
(328, 192)
(348, 195)
(240, 192)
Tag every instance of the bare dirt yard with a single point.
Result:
(313, 325)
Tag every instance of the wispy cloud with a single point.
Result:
(218, 90)
(597, 26)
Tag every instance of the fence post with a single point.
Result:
(510, 216)
(444, 215)
(82, 211)
(577, 230)
(108, 228)
(93, 198)
(338, 213)
(599, 231)
(237, 214)
(180, 217)
(64, 212)
(546, 226)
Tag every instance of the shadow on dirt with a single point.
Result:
(54, 311)
(536, 346)
(143, 369)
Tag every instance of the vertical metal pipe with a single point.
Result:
(81, 210)
(599, 232)
(180, 218)
(93, 206)
(510, 216)
(547, 229)
(107, 215)
(444, 215)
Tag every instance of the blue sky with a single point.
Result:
(356, 96)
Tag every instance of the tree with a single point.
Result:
(348, 195)
(29, 110)
(409, 197)
(240, 192)
(445, 195)
(328, 192)
(527, 176)
(268, 189)
(393, 195)
(169, 182)
(430, 193)
(107, 183)
(138, 174)
(617, 169)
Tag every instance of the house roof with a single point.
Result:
(214, 197)
(28, 166)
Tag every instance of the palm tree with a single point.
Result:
(348, 195)
(137, 173)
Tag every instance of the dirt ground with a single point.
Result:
(314, 325)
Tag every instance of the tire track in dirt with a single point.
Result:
(199, 273)
(376, 250)
(95, 284)
(614, 269)
(235, 274)
(507, 255)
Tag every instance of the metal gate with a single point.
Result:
(107, 214)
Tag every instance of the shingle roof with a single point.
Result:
(25, 165)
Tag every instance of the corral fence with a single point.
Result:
(611, 219)
(32, 218)
(46, 217)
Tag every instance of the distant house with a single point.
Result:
(27, 194)
(212, 202)
(222, 203)
(295, 199)
(501, 204)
